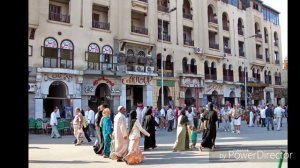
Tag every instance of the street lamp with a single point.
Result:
(162, 56)
(255, 35)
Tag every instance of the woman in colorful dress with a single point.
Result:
(106, 125)
(135, 155)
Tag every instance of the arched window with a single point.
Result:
(266, 35)
(212, 16)
(270, 77)
(186, 10)
(257, 28)
(266, 77)
(279, 78)
(169, 63)
(193, 66)
(107, 54)
(258, 75)
(50, 53)
(275, 39)
(66, 54)
(225, 21)
(224, 72)
(185, 67)
(230, 73)
(158, 61)
(213, 71)
(93, 55)
(241, 75)
(240, 27)
(130, 53)
(206, 70)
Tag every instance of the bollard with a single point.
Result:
(280, 160)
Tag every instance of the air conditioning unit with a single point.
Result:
(198, 50)
(149, 69)
(31, 87)
(139, 68)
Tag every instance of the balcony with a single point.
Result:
(226, 28)
(258, 35)
(214, 46)
(100, 25)
(212, 20)
(146, 1)
(267, 59)
(188, 16)
(188, 42)
(227, 50)
(167, 73)
(59, 17)
(240, 31)
(162, 8)
(277, 62)
(165, 37)
(139, 30)
(228, 78)
(241, 53)
(259, 56)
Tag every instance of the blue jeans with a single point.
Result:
(270, 121)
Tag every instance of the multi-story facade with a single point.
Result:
(111, 51)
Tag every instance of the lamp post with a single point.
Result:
(162, 56)
(246, 70)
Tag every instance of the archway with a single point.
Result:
(189, 100)
(166, 94)
(102, 96)
(58, 96)
(268, 97)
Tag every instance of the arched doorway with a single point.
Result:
(166, 94)
(102, 96)
(213, 97)
(268, 97)
(230, 99)
(189, 100)
(57, 96)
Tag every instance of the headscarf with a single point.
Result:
(131, 119)
(106, 112)
(149, 111)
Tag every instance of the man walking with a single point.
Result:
(53, 123)
(121, 136)
(269, 116)
(278, 112)
(91, 121)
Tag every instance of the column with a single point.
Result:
(39, 103)
(123, 95)
(147, 95)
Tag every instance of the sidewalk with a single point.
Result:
(61, 153)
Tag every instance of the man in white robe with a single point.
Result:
(120, 135)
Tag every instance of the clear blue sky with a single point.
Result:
(281, 6)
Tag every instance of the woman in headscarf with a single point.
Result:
(149, 124)
(210, 128)
(182, 137)
(106, 125)
(135, 155)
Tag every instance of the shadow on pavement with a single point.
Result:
(64, 161)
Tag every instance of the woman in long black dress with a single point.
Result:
(210, 129)
(149, 124)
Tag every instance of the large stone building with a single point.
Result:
(111, 51)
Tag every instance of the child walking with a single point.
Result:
(194, 137)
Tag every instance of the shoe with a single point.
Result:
(59, 137)
(201, 148)
(146, 149)
(105, 156)
(119, 160)
(77, 144)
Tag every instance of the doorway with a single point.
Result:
(57, 97)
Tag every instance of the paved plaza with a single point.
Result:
(252, 148)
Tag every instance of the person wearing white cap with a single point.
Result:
(120, 135)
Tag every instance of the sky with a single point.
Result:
(281, 6)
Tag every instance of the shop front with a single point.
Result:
(213, 93)
(232, 94)
(136, 89)
(101, 90)
(279, 96)
(191, 91)
(169, 93)
(57, 89)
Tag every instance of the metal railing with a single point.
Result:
(165, 37)
(162, 8)
(59, 17)
(187, 16)
(101, 25)
(140, 30)
(214, 45)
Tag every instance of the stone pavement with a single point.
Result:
(255, 142)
